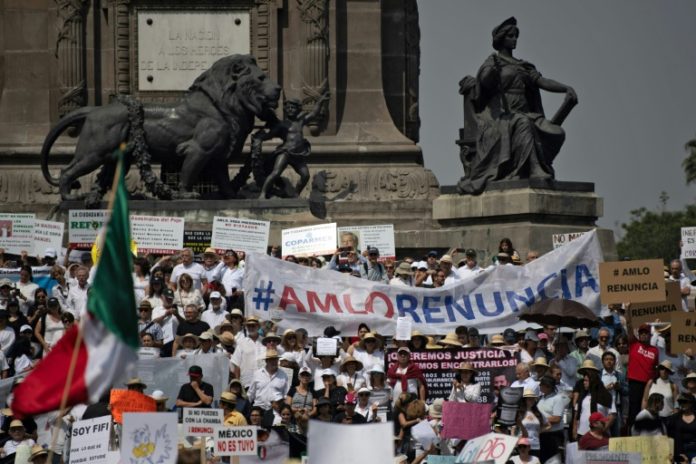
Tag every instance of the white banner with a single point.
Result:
(246, 235)
(309, 240)
(47, 234)
(380, 237)
(160, 235)
(489, 301)
(16, 232)
(84, 225)
(561, 239)
(89, 441)
(688, 236)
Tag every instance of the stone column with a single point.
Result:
(315, 56)
(70, 53)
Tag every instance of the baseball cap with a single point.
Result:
(597, 417)
(432, 254)
(50, 253)
(404, 349)
(215, 295)
(473, 332)
(25, 327)
(331, 332)
(168, 293)
(644, 328)
(510, 335)
(470, 252)
(531, 336)
(422, 265)
(195, 371)
(305, 370)
(53, 302)
(372, 251)
(351, 398)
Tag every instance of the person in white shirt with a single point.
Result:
(465, 389)
(470, 267)
(675, 274)
(446, 264)
(166, 316)
(211, 265)
(524, 379)
(402, 275)
(26, 289)
(7, 334)
(596, 352)
(18, 436)
(268, 383)
(249, 354)
(215, 314)
(77, 295)
(187, 265)
(231, 276)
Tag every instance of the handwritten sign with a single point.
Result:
(653, 449)
(641, 281)
(240, 234)
(683, 332)
(559, 240)
(235, 441)
(89, 441)
(490, 447)
(84, 225)
(309, 240)
(129, 401)
(465, 420)
(47, 234)
(149, 437)
(161, 235)
(688, 236)
(16, 232)
(327, 346)
(201, 422)
(662, 310)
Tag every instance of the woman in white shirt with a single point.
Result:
(465, 389)
(351, 377)
(524, 456)
(369, 352)
(186, 294)
(26, 289)
(531, 421)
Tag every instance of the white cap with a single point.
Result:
(25, 327)
(328, 372)
(50, 253)
(158, 395)
(422, 265)
(305, 369)
(215, 295)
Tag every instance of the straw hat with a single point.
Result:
(581, 334)
(368, 336)
(36, 451)
(189, 335)
(350, 359)
(690, 376)
(436, 408)
(466, 366)
(417, 334)
(226, 339)
(529, 393)
(271, 354)
(540, 361)
(218, 328)
(587, 364)
(667, 364)
(207, 335)
(431, 345)
(497, 340)
(252, 320)
(228, 397)
(450, 340)
(286, 334)
(271, 336)
(135, 381)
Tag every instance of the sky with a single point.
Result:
(631, 62)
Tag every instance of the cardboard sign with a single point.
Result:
(197, 240)
(607, 457)
(663, 310)
(47, 234)
(465, 420)
(641, 281)
(89, 441)
(201, 422)
(654, 449)
(246, 235)
(17, 232)
(235, 441)
(309, 240)
(84, 225)
(490, 447)
(129, 401)
(378, 236)
(683, 332)
(149, 438)
(688, 236)
(559, 240)
(160, 235)
(342, 444)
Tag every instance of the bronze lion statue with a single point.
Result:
(206, 129)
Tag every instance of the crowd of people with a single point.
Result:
(618, 379)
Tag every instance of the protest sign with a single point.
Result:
(403, 328)
(17, 232)
(336, 443)
(378, 236)
(309, 240)
(235, 441)
(271, 448)
(653, 449)
(149, 438)
(46, 234)
(662, 310)
(465, 420)
(559, 240)
(490, 447)
(129, 401)
(327, 346)
(161, 235)
(169, 374)
(197, 240)
(494, 366)
(607, 457)
(201, 422)
(246, 235)
(641, 281)
(683, 331)
(84, 225)
(688, 237)
(316, 298)
(89, 441)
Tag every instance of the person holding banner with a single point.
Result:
(465, 389)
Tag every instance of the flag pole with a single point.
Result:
(79, 337)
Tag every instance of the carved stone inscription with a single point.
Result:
(175, 47)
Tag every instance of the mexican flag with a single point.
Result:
(105, 342)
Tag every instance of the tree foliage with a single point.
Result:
(689, 163)
(655, 234)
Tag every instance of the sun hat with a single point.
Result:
(271, 336)
(403, 269)
(667, 364)
(450, 340)
(436, 408)
(135, 381)
(236, 312)
(689, 377)
(271, 354)
(228, 397)
(350, 359)
(417, 334)
(36, 451)
(529, 393)
(431, 345)
(541, 361)
(366, 337)
(252, 320)
(446, 259)
(497, 340)
(189, 335)
(466, 366)
(587, 364)
(16, 423)
(158, 395)
(581, 334)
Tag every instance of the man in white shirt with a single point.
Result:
(77, 295)
(446, 264)
(595, 353)
(166, 316)
(524, 379)
(187, 266)
(402, 275)
(215, 314)
(249, 353)
(231, 276)
(471, 266)
(675, 274)
(211, 265)
(268, 382)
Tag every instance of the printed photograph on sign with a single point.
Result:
(309, 241)
(16, 232)
(372, 236)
